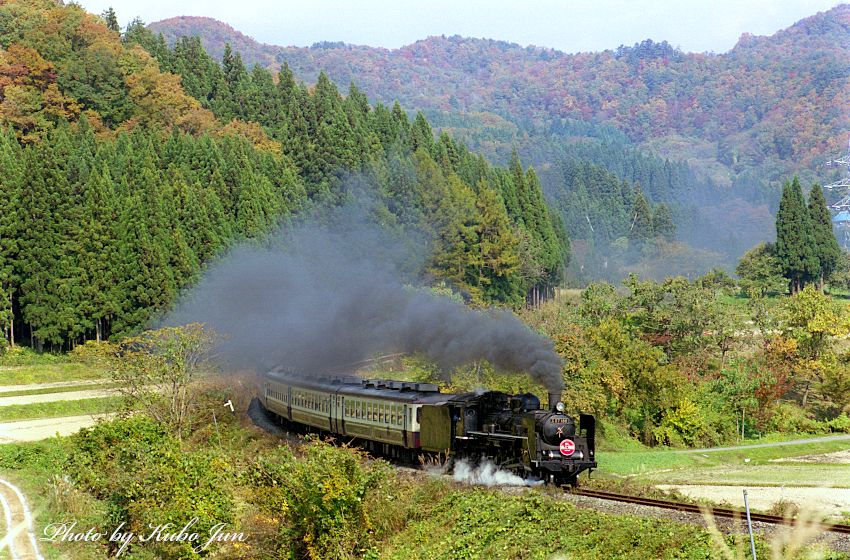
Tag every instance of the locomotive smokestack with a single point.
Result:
(554, 398)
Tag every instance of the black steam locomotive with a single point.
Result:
(406, 420)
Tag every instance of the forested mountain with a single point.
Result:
(121, 174)
(771, 104)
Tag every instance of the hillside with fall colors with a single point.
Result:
(120, 182)
(770, 106)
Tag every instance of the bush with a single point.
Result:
(614, 436)
(791, 419)
(687, 424)
(319, 498)
(46, 456)
(156, 369)
(840, 423)
(140, 470)
(23, 356)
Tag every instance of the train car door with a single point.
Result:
(338, 414)
(289, 402)
(405, 426)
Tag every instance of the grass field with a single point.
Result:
(48, 373)
(59, 409)
(744, 466)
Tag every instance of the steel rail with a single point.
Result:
(694, 508)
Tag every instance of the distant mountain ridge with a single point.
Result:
(771, 105)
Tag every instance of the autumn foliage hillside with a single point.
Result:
(58, 63)
(771, 103)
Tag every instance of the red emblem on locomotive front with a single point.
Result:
(568, 447)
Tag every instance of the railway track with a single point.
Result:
(693, 508)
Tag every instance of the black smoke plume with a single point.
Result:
(314, 299)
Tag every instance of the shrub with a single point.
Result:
(140, 470)
(319, 498)
(156, 369)
(790, 418)
(684, 425)
(840, 423)
(45, 456)
(23, 356)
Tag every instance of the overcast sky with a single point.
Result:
(567, 25)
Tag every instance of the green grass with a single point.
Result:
(775, 437)
(52, 390)
(474, 523)
(737, 300)
(48, 373)
(60, 408)
(671, 463)
(34, 467)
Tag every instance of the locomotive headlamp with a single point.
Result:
(560, 407)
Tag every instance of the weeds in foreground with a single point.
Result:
(440, 461)
(787, 543)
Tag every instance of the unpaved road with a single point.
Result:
(774, 444)
(19, 535)
(53, 397)
(836, 457)
(53, 385)
(43, 428)
(827, 501)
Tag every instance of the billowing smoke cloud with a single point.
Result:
(317, 299)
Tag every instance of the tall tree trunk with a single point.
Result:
(743, 412)
(806, 392)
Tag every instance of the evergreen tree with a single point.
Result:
(111, 20)
(101, 296)
(795, 244)
(494, 271)
(662, 223)
(48, 278)
(641, 230)
(826, 246)
(457, 250)
(11, 183)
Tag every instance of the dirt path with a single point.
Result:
(774, 444)
(53, 385)
(836, 457)
(829, 501)
(54, 397)
(19, 535)
(43, 428)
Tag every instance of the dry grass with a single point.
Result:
(435, 462)
(794, 541)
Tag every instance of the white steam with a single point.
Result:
(488, 474)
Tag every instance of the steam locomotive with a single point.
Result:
(406, 420)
